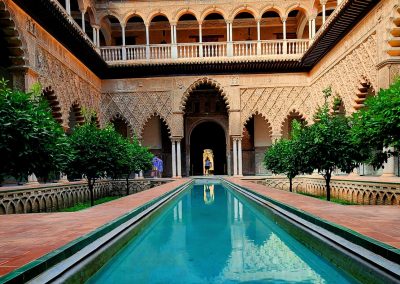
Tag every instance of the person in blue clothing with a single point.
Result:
(154, 162)
(207, 166)
(160, 166)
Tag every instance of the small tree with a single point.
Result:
(377, 126)
(98, 152)
(327, 145)
(137, 158)
(284, 156)
(31, 141)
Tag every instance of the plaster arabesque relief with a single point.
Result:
(69, 87)
(137, 108)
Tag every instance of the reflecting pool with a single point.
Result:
(211, 234)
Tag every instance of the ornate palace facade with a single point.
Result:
(187, 76)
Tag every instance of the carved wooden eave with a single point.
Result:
(51, 16)
(199, 68)
(336, 27)
(54, 19)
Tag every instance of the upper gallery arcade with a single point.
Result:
(136, 31)
(175, 73)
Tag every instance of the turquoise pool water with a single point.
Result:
(211, 234)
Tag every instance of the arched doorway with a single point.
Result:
(208, 135)
(206, 125)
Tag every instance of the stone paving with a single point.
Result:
(25, 237)
(378, 222)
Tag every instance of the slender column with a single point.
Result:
(227, 32)
(240, 160)
(123, 35)
(313, 28)
(230, 31)
(389, 166)
(83, 21)
(178, 156)
(98, 36)
(284, 36)
(200, 33)
(173, 159)
(258, 37)
(68, 6)
(323, 11)
(174, 49)
(94, 35)
(172, 34)
(147, 42)
(235, 168)
(284, 28)
(309, 29)
(200, 40)
(175, 35)
(123, 43)
(229, 45)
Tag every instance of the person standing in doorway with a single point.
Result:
(207, 166)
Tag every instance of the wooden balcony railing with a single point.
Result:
(283, 49)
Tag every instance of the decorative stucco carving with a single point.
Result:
(201, 81)
(137, 108)
(68, 86)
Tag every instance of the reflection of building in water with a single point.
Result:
(178, 212)
(273, 259)
(208, 153)
(209, 194)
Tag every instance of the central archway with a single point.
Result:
(208, 135)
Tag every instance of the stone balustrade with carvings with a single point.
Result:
(367, 192)
(53, 197)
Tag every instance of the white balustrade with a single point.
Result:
(297, 46)
(272, 47)
(205, 50)
(214, 49)
(160, 51)
(136, 52)
(188, 50)
(245, 48)
(111, 53)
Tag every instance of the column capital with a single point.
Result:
(312, 17)
(323, 2)
(228, 21)
(95, 26)
(200, 22)
(176, 139)
(173, 23)
(283, 19)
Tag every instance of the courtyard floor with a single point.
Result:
(25, 237)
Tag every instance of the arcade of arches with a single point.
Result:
(237, 115)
